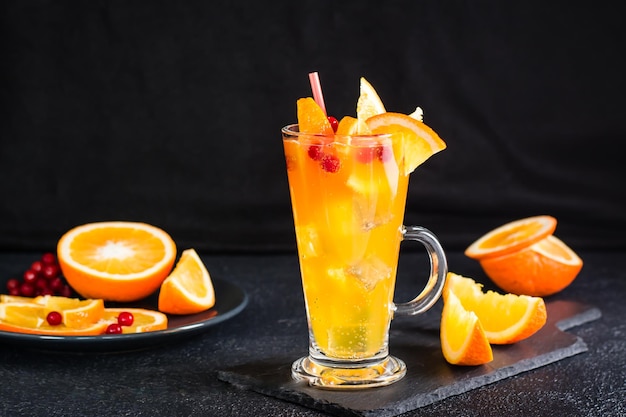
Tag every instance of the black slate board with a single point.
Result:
(429, 377)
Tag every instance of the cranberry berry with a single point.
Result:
(48, 259)
(30, 276)
(54, 318)
(334, 123)
(330, 163)
(114, 328)
(27, 289)
(316, 152)
(125, 318)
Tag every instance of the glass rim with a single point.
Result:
(292, 130)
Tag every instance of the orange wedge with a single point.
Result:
(312, 119)
(541, 269)
(116, 261)
(30, 318)
(188, 289)
(369, 103)
(349, 126)
(144, 320)
(511, 237)
(506, 318)
(463, 341)
(76, 313)
(414, 142)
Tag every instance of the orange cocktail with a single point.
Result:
(348, 191)
(348, 198)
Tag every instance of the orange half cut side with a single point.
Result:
(512, 237)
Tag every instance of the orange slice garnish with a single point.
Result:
(116, 261)
(349, 126)
(369, 103)
(312, 119)
(188, 289)
(413, 141)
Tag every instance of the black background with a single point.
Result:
(170, 112)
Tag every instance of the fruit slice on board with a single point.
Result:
(188, 289)
(541, 269)
(116, 261)
(463, 340)
(506, 318)
(511, 237)
(413, 141)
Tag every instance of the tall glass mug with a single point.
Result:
(348, 196)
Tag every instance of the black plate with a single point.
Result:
(230, 300)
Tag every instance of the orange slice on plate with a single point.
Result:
(116, 261)
(505, 318)
(144, 320)
(188, 289)
(541, 269)
(511, 237)
(30, 318)
(463, 340)
(75, 313)
(413, 141)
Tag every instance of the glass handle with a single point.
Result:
(438, 271)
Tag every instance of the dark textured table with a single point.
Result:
(181, 378)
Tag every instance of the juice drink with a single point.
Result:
(348, 197)
(348, 183)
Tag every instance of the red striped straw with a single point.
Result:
(316, 87)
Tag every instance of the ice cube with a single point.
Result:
(369, 272)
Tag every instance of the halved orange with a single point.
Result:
(512, 237)
(413, 141)
(116, 261)
(30, 318)
(188, 289)
(463, 340)
(506, 318)
(541, 269)
(145, 320)
(312, 119)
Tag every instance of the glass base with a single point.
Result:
(348, 375)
